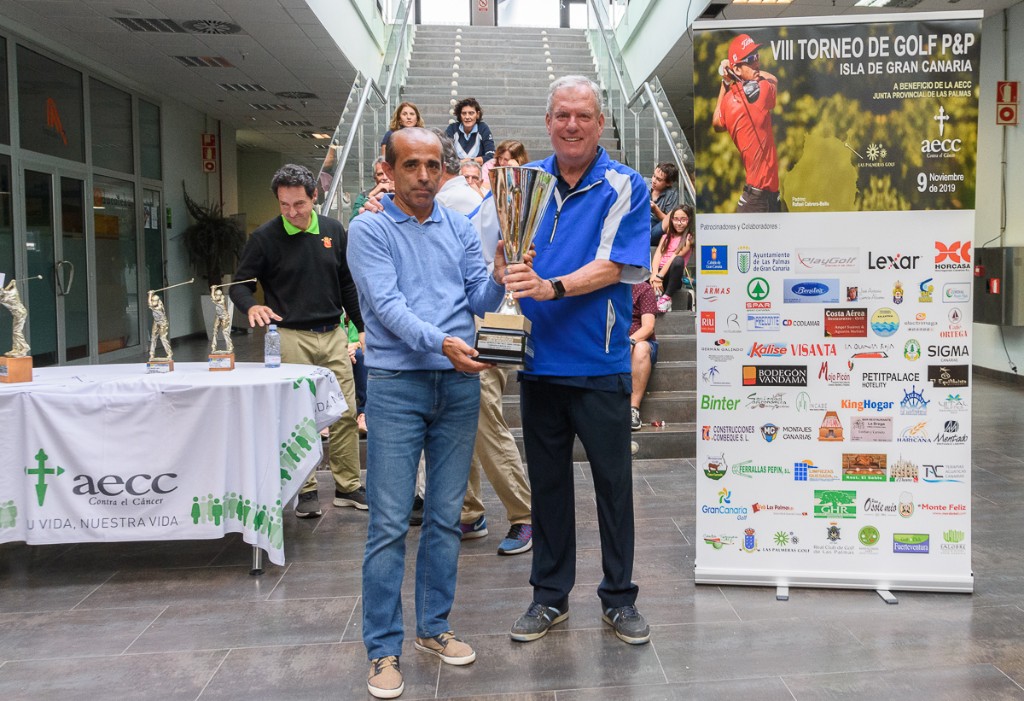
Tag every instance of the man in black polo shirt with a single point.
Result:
(299, 259)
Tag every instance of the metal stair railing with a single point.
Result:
(355, 143)
(645, 121)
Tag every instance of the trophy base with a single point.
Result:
(159, 367)
(504, 339)
(16, 369)
(222, 361)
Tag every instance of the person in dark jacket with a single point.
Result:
(299, 260)
(471, 135)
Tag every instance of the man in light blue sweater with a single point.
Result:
(421, 277)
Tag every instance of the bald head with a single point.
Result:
(406, 136)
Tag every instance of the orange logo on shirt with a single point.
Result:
(327, 241)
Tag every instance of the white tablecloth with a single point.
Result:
(110, 453)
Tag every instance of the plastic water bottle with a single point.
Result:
(272, 348)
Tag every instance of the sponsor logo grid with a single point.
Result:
(840, 361)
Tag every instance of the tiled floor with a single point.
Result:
(186, 621)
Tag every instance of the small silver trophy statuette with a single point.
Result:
(161, 327)
(16, 364)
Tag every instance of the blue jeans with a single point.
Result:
(408, 412)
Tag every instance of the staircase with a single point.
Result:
(671, 394)
(508, 71)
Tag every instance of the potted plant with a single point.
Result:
(212, 243)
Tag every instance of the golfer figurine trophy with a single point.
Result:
(521, 195)
(161, 326)
(222, 359)
(16, 364)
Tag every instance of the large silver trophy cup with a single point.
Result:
(521, 196)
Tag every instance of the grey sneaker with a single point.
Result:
(536, 621)
(308, 506)
(355, 498)
(385, 678)
(629, 625)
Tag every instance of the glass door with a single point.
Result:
(153, 242)
(55, 284)
(117, 268)
(6, 243)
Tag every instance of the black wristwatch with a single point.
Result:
(559, 288)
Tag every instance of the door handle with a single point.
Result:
(65, 289)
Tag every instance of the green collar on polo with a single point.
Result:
(314, 225)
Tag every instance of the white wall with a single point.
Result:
(988, 346)
(357, 28)
(182, 129)
(649, 28)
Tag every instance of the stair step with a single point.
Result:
(673, 375)
(671, 441)
(667, 442)
(673, 408)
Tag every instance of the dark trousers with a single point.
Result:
(552, 416)
(359, 375)
(755, 201)
(674, 277)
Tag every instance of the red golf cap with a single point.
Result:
(741, 47)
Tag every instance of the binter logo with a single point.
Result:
(41, 471)
(955, 256)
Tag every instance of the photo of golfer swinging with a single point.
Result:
(746, 99)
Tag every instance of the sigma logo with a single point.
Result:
(896, 262)
(955, 256)
(941, 147)
(955, 351)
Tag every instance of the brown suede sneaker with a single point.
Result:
(385, 680)
(450, 649)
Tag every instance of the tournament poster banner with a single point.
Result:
(836, 167)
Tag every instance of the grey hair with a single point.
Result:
(292, 175)
(449, 157)
(472, 163)
(379, 160)
(575, 81)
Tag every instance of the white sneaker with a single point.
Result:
(664, 304)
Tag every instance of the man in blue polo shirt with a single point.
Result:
(421, 278)
(591, 246)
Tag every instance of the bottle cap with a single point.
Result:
(272, 327)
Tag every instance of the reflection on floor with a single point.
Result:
(186, 621)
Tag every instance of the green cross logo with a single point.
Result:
(41, 471)
(307, 381)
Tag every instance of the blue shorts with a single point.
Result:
(654, 351)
